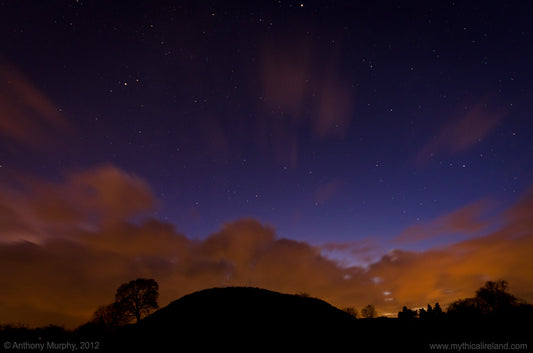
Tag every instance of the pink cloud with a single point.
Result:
(328, 190)
(27, 116)
(463, 131)
(301, 87)
(466, 220)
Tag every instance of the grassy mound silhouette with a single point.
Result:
(239, 318)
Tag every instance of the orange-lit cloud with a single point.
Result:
(443, 275)
(359, 252)
(27, 116)
(57, 266)
(457, 270)
(86, 200)
(462, 132)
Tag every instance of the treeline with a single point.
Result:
(133, 301)
(491, 301)
(136, 299)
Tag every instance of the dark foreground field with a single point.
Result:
(252, 319)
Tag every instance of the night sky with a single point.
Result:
(363, 140)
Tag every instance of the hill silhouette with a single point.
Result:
(254, 319)
(251, 319)
(240, 318)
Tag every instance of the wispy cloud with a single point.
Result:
(354, 253)
(301, 89)
(328, 190)
(27, 116)
(462, 132)
(467, 220)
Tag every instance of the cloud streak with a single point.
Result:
(301, 89)
(462, 132)
(57, 266)
(328, 190)
(467, 220)
(27, 116)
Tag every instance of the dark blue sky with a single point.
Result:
(371, 152)
(331, 121)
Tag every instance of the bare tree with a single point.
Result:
(495, 296)
(351, 310)
(369, 312)
(111, 315)
(137, 298)
(492, 299)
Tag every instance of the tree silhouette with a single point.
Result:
(470, 307)
(408, 313)
(495, 298)
(137, 298)
(422, 313)
(369, 312)
(430, 313)
(111, 315)
(491, 299)
(437, 311)
(351, 310)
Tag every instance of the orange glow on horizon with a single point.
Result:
(80, 247)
